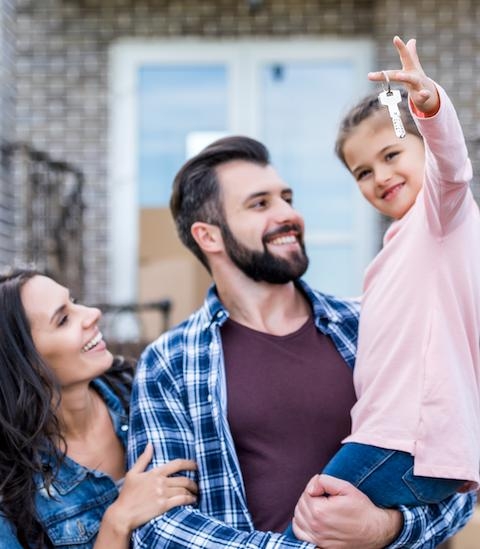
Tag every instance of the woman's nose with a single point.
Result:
(91, 315)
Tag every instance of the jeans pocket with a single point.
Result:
(428, 489)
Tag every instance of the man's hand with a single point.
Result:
(333, 514)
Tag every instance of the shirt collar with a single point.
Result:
(323, 305)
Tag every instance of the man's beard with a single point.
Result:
(264, 266)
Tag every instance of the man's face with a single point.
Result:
(262, 233)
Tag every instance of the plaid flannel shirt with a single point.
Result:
(179, 404)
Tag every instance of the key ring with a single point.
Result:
(388, 90)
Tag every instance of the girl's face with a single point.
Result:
(388, 170)
(65, 334)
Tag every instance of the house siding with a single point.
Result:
(62, 70)
(7, 102)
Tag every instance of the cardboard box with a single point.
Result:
(167, 270)
(158, 236)
(183, 280)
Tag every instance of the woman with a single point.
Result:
(63, 423)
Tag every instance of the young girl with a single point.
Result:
(416, 426)
(63, 427)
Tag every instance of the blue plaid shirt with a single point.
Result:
(179, 404)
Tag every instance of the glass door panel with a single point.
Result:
(301, 105)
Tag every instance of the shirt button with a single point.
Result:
(124, 428)
(209, 398)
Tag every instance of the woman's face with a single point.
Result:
(65, 334)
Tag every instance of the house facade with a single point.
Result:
(125, 90)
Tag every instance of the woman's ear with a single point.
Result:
(207, 236)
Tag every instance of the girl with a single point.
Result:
(63, 426)
(416, 426)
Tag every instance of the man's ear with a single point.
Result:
(207, 236)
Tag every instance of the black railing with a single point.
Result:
(48, 213)
(130, 318)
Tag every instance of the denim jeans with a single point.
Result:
(386, 477)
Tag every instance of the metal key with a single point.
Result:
(391, 99)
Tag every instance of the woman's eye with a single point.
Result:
(63, 320)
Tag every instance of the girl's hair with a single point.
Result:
(29, 398)
(367, 107)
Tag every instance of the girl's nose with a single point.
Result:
(382, 175)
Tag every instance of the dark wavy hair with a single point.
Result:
(29, 399)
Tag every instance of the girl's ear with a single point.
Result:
(207, 236)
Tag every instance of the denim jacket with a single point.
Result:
(78, 497)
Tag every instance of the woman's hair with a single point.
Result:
(367, 107)
(29, 398)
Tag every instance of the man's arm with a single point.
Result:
(426, 527)
(348, 519)
(160, 414)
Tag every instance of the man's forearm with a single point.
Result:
(428, 526)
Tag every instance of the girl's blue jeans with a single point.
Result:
(386, 477)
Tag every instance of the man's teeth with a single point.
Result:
(91, 344)
(285, 240)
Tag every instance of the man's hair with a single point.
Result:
(196, 193)
(367, 107)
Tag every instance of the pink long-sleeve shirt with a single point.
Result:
(418, 363)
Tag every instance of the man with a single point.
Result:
(256, 386)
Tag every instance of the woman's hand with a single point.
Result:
(145, 495)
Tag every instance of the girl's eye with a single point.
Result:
(362, 175)
(391, 155)
(73, 300)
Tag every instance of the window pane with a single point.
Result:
(302, 104)
(173, 102)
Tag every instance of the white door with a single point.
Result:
(170, 98)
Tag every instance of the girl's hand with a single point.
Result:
(422, 90)
(147, 494)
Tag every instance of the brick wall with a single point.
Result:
(7, 97)
(62, 67)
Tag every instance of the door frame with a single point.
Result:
(242, 58)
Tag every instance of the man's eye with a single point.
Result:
(259, 204)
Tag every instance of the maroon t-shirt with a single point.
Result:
(289, 401)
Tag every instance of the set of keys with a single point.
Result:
(391, 98)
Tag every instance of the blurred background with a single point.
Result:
(101, 101)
